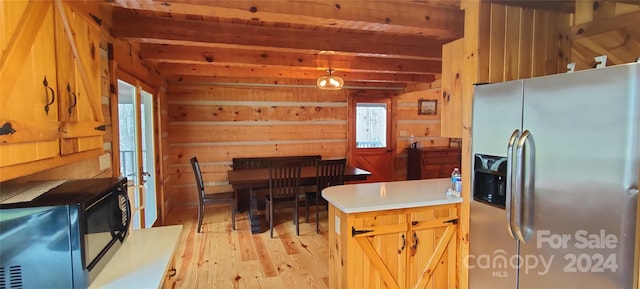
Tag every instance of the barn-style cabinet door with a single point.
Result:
(404, 248)
(50, 108)
(78, 62)
(29, 99)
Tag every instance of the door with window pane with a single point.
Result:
(135, 116)
(372, 137)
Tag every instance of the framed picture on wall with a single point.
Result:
(427, 107)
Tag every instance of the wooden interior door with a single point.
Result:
(370, 136)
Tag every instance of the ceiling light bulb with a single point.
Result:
(330, 82)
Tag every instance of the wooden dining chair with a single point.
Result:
(328, 173)
(211, 198)
(284, 190)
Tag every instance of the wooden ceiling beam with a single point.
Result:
(264, 57)
(271, 81)
(402, 17)
(595, 27)
(129, 25)
(169, 69)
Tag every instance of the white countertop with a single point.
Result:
(356, 198)
(142, 261)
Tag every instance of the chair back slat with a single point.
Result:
(198, 175)
(284, 178)
(264, 162)
(329, 173)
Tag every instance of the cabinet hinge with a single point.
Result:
(7, 129)
(355, 232)
(454, 221)
(96, 19)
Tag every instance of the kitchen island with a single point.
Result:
(393, 235)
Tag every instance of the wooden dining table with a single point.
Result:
(249, 180)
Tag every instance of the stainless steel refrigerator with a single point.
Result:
(555, 181)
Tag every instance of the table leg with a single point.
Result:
(256, 220)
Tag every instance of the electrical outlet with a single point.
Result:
(105, 161)
(403, 133)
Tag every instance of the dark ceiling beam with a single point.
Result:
(272, 81)
(264, 57)
(172, 69)
(130, 25)
(402, 17)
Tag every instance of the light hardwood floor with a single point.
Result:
(222, 258)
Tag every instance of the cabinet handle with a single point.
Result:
(75, 99)
(415, 241)
(414, 247)
(172, 272)
(404, 243)
(47, 88)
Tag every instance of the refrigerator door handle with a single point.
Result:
(509, 203)
(524, 183)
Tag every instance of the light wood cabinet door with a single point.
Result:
(404, 248)
(50, 106)
(452, 65)
(379, 252)
(29, 100)
(78, 54)
(432, 249)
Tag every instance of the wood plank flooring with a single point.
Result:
(219, 257)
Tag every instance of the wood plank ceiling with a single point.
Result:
(375, 43)
(370, 43)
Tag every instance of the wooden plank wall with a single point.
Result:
(525, 42)
(425, 128)
(218, 123)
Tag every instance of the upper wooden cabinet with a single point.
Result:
(452, 62)
(78, 68)
(29, 99)
(50, 106)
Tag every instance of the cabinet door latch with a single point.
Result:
(454, 221)
(355, 232)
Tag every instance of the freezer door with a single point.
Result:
(582, 209)
(497, 112)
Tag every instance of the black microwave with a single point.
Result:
(64, 237)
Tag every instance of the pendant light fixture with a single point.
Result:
(330, 82)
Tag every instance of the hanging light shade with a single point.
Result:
(330, 82)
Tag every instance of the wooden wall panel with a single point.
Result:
(180, 154)
(199, 91)
(526, 42)
(218, 123)
(252, 132)
(257, 111)
(424, 128)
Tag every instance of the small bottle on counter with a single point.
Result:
(456, 183)
(411, 141)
